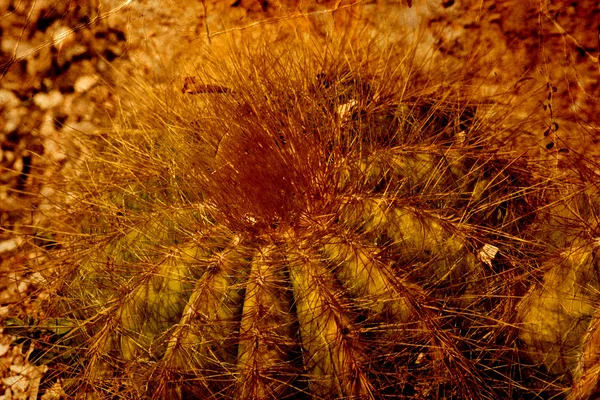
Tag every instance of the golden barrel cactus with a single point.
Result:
(331, 225)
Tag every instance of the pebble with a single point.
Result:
(85, 83)
(16, 382)
(74, 51)
(10, 245)
(20, 369)
(62, 36)
(3, 349)
(20, 49)
(46, 101)
(18, 165)
(47, 127)
(9, 156)
(13, 119)
(8, 99)
(53, 149)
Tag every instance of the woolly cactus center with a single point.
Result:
(265, 178)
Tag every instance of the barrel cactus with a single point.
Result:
(288, 227)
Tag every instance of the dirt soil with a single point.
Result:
(59, 62)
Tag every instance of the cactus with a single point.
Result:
(315, 228)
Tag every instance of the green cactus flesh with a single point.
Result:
(294, 239)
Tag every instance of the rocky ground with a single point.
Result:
(58, 70)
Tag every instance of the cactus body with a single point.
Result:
(312, 231)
